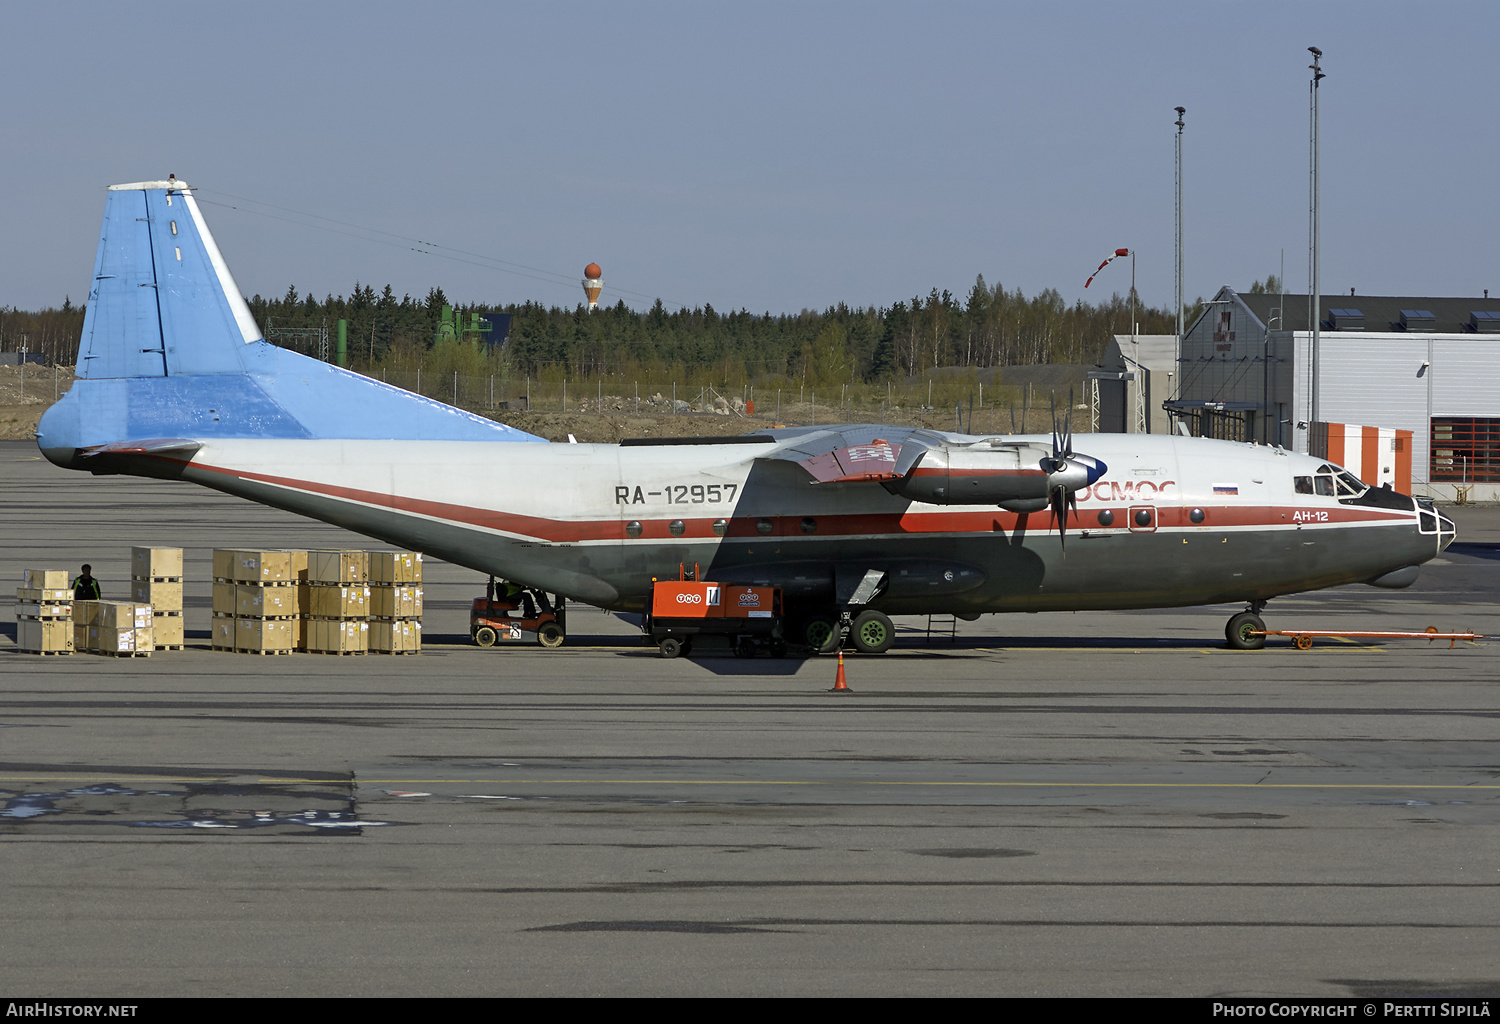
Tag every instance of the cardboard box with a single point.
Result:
(338, 602)
(225, 598)
(403, 601)
(272, 602)
(263, 567)
(119, 640)
(263, 634)
(161, 596)
(222, 634)
(121, 615)
(337, 567)
(395, 567)
(156, 563)
(396, 636)
(48, 579)
(335, 636)
(37, 636)
(37, 610)
(60, 595)
(167, 630)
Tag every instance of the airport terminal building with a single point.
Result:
(1426, 365)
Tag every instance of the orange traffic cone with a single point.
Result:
(839, 686)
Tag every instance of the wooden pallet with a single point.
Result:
(253, 650)
(121, 654)
(44, 653)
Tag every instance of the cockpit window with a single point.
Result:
(1350, 486)
(1330, 481)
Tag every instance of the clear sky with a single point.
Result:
(772, 156)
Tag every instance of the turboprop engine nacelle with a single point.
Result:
(1017, 477)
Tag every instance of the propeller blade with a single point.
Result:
(1013, 417)
(1060, 501)
(1068, 426)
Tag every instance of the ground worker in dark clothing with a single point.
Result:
(85, 587)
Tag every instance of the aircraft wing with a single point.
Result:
(859, 454)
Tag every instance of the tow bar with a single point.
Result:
(1303, 638)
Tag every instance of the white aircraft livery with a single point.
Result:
(855, 523)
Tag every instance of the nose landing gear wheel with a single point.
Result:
(873, 632)
(1240, 632)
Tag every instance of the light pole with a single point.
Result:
(1180, 112)
(1317, 312)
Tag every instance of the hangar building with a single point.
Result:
(1423, 364)
(1127, 392)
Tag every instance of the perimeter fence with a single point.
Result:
(945, 404)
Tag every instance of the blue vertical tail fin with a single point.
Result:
(170, 350)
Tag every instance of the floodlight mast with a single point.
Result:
(1317, 311)
(1180, 112)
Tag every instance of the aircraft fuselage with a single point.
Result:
(1174, 521)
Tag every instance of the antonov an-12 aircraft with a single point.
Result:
(855, 523)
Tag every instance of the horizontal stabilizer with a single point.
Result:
(176, 446)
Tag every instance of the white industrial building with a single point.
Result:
(1127, 392)
(1427, 365)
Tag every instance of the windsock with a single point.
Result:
(1117, 255)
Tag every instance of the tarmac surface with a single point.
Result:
(1084, 804)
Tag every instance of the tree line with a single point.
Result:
(989, 327)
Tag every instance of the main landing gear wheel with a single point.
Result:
(1241, 632)
(873, 632)
(821, 635)
(550, 635)
(484, 636)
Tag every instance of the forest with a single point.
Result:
(911, 338)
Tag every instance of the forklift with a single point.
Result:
(522, 618)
